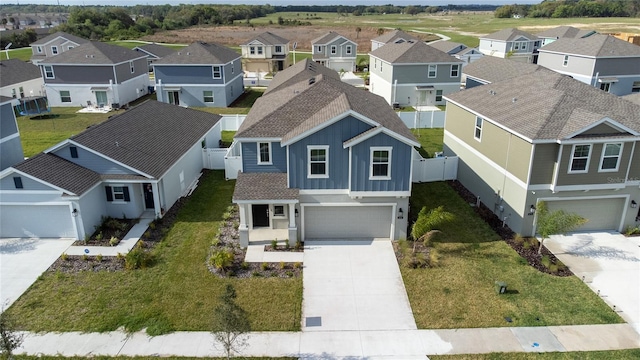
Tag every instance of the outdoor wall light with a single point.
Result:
(532, 210)
(634, 204)
(74, 213)
(400, 213)
(296, 212)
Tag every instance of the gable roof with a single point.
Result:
(551, 107)
(448, 46)
(597, 45)
(200, 53)
(302, 70)
(635, 97)
(492, 69)
(263, 186)
(4, 99)
(412, 53)
(268, 38)
(301, 106)
(60, 173)
(76, 39)
(150, 137)
(509, 34)
(329, 37)
(94, 53)
(14, 71)
(394, 35)
(156, 50)
(565, 31)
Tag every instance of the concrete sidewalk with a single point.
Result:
(405, 344)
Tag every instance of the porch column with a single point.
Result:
(293, 231)
(156, 200)
(243, 229)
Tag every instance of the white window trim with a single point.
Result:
(276, 50)
(56, 52)
(213, 71)
(39, 49)
(260, 50)
(132, 67)
(326, 161)
(270, 162)
(334, 49)
(280, 216)
(457, 66)
(380, 148)
(565, 61)
(53, 75)
(68, 91)
(475, 127)
(435, 72)
(586, 167)
(252, 50)
(602, 156)
(121, 193)
(204, 97)
(348, 49)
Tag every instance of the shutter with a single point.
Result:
(109, 194)
(125, 191)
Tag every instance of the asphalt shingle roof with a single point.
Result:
(268, 38)
(551, 107)
(150, 137)
(394, 35)
(302, 70)
(328, 37)
(14, 71)
(447, 46)
(4, 99)
(263, 186)
(412, 53)
(75, 39)
(200, 53)
(493, 69)
(301, 106)
(596, 45)
(59, 172)
(565, 31)
(635, 97)
(159, 51)
(94, 53)
(509, 34)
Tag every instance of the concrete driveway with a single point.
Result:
(610, 264)
(22, 261)
(353, 285)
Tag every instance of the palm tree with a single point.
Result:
(555, 222)
(358, 29)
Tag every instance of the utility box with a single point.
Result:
(501, 287)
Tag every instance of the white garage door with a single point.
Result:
(603, 214)
(330, 222)
(341, 65)
(42, 221)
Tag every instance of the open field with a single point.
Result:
(23, 54)
(570, 355)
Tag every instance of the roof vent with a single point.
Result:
(514, 99)
(188, 53)
(179, 53)
(92, 56)
(312, 81)
(117, 144)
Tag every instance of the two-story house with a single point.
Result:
(201, 74)
(266, 52)
(141, 160)
(512, 43)
(555, 140)
(563, 32)
(413, 74)
(603, 61)
(10, 146)
(19, 79)
(334, 51)
(96, 74)
(154, 52)
(54, 44)
(395, 36)
(491, 69)
(322, 159)
(458, 51)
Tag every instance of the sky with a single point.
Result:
(272, 2)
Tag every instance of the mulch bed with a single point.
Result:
(103, 234)
(530, 254)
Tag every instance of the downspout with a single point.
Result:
(395, 85)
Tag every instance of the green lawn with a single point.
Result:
(98, 357)
(630, 354)
(178, 293)
(460, 292)
(430, 141)
(241, 106)
(20, 53)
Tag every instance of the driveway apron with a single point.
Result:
(609, 263)
(353, 285)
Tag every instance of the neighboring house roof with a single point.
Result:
(263, 186)
(551, 107)
(328, 37)
(156, 50)
(60, 173)
(4, 99)
(200, 53)
(449, 47)
(299, 107)
(561, 32)
(635, 97)
(150, 137)
(492, 69)
(47, 39)
(509, 34)
(15, 71)
(268, 38)
(597, 45)
(302, 70)
(94, 53)
(412, 53)
(394, 35)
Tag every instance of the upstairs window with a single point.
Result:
(349, 49)
(318, 162)
(131, 67)
(13, 93)
(39, 49)
(610, 157)
(432, 71)
(605, 86)
(278, 49)
(73, 150)
(54, 50)
(252, 50)
(217, 72)
(380, 168)
(319, 49)
(580, 159)
(17, 182)
(565, 60)
(334, 49)
(635, 88)
(259, 50)
(455, 70)
(21, 91)
(478, 129)
(438, 95)
(48, 72)
(264, 153)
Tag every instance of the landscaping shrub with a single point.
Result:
(298, 245)
(138, 258)
(274, 244)
(221, 259)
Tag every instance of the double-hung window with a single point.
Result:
(132, 67)
(217, 72)
(264, 153)
(207, 96)
(432, 71)
(610, 157)
(455, 70)
(334, 49)
(278, 49)
(348, 49)
(259, 50)
(318, 161)
(48, 72)
(54, 50)
(565, 60)
(65, 96)
(478, 128)
(380, 167)
(580, 158)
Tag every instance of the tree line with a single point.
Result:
(572, 8)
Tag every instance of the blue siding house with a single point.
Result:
(322, 159)
(201, 75)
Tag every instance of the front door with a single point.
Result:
(101, 98)
(173, 97)
(280, 65)
(147, 189)
(260, 214)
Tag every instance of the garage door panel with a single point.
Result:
(43, 221)
(603, 214)
(347, 222)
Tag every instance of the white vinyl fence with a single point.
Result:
(423, 119)
(434, 169)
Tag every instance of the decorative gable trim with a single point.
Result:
(10, 170)
(614, 124)
(329, 123)
(375, 131)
